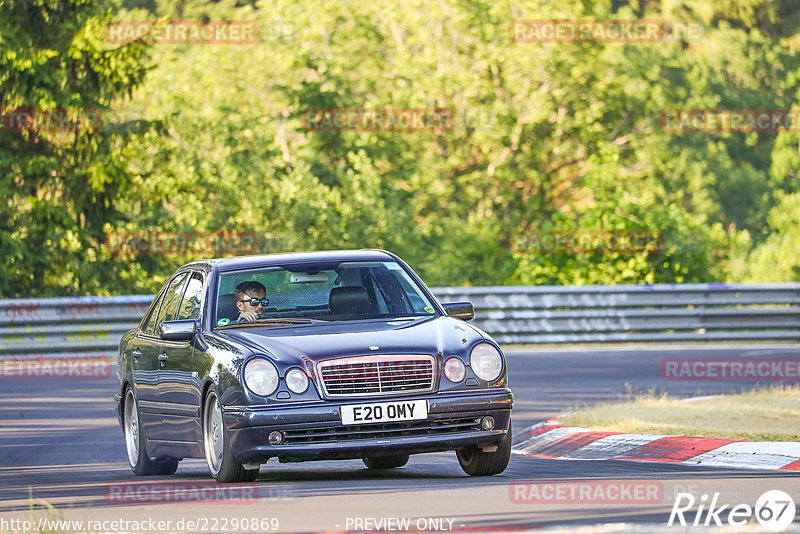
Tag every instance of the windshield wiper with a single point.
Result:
(273, 322)
(292, 320)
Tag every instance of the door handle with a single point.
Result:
(136, 355)
(163, 358)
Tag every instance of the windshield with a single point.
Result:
(348, 290)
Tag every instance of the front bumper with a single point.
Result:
(314, 431)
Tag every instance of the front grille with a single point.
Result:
(377, 375)
(334, 434)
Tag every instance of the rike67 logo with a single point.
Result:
(774, 511)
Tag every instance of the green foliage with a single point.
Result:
(776, 259)
(58, 187)
(547, 137)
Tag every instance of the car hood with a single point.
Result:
(321, 341)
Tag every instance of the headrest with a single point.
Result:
(349, 300)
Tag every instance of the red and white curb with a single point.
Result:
(551, 439)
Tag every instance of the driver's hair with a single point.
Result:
(250, 285)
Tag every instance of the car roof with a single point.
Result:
(243, 262)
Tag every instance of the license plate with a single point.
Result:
(384, 412)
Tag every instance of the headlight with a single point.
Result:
(454, 370)
(297, 380)
(261, 377)
(486, 362)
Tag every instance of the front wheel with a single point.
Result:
(141, 464)
(221, 462)
(386, 462)
(477, 463)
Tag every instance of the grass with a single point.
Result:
(762, 415)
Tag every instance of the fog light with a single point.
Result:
(275, 438)
(487, 423)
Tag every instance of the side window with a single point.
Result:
(376, 293)
(190, 305)
(392, 292)
(417, 304)
(151, 320)
(171, 299)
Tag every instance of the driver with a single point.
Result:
(250, 300)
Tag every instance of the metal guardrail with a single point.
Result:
(87, 327)
(80, 327)
(630, 313)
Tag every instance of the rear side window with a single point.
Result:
(171, 299)
(193, 296)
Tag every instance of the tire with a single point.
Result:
(386, 462)
(477, 463)
(216, 442)
(140, 463)
(167, 467)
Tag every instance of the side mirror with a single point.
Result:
(460, 310)
(177, 330)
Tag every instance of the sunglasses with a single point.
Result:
(256, 302)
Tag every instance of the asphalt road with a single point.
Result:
(61, 446)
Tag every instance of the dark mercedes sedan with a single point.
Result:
(309, 356)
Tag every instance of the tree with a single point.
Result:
(559, 137)
(60, 180)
